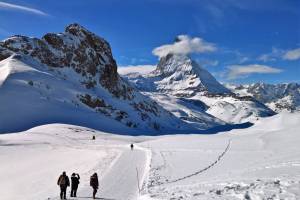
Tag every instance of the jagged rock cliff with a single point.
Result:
(77, 48)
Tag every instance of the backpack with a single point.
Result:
(62, 180)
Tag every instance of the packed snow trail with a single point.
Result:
(121, 183)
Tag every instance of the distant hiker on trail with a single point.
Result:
(74, 184)
(94, 137)
(63, 182)
(94, 183)
(131, 146)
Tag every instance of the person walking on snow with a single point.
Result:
(131, 146)
(94, 183)
(63, 182)
(74, 184)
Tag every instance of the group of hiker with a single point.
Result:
(64, 182)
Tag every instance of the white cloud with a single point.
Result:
(237, 71)
(185, 45)
(276, 54)
(4, 5)
(273, 56)
(244, 59)
(292, 54)
(266, 58)
(208, 63)
(141, 69)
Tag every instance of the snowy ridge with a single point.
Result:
(278, 97)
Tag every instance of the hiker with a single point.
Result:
(63, 182)
(131, 146)
(94, 183)
(74, 184)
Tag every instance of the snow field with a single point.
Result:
(260, 162)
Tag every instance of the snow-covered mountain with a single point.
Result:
(195, 94)
(178, 75)
(181, 76)
(278, 97)
(71, 77)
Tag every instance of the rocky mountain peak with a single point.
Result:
(76, 28)
(173, 62)
(183, 74)
(86, 53)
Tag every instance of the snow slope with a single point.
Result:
(234, 109)
(49, 99)
(32, 94)
(31, 162)
(261, 162)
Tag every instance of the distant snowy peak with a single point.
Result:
(197, 97)
(86, 53)
(285, 96)
(184, 77)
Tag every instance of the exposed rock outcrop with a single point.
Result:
(77, 48)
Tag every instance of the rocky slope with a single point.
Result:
(77, 48)
(187, 83)
(278, 97)
(71, 77)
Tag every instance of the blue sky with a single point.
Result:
(252, 40)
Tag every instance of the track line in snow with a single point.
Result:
(200, 171)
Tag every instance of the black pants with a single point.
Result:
(94, 192)
(63, 191)
(74, 190)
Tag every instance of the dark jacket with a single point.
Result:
(75, 180)
(63, 180)
(94, 181)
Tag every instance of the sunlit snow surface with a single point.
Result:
(260, 162)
